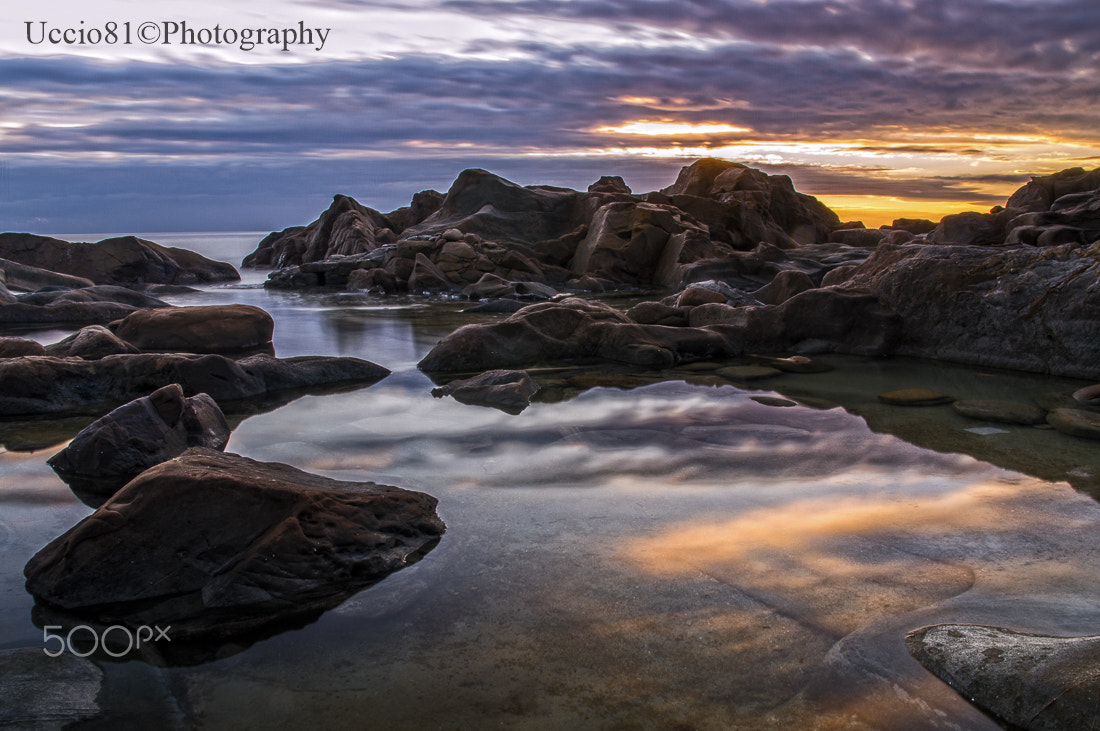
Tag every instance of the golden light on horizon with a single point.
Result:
(673, 129)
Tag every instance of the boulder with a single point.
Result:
(610, 184)
(38, 385)
(695, 296)
(90, 343)
(509, 391)
(1027, 681)
(123, 260)
(118, 447)
(11, 347)
(1089, 396)
(1018, 308)
(31, 279)
(203, 329)
(1076, 422)
(786, 284)
(216, 545)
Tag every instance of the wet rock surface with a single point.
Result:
(118, 447)
(1029, 681)
(46, 693)
(217, 545)
(509, 391)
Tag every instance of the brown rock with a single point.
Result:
(206, 329)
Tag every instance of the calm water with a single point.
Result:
(673, 555)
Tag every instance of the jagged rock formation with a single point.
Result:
(486, 226)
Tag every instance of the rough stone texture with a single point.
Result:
(216, 544)
(1006, 412)
(568, 331)
(31, 279)
(118, 447)
(39, 385)
(18, 347)
(1021, 308)
(1030, 681)
(509, 391)
(206, 329)
(121, 260)
(90, 343)
(47, 693)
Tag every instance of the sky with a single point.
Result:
(120, 116)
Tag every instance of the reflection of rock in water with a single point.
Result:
(219, 547)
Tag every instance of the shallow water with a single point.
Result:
(673, 555)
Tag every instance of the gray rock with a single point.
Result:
(118, 447)
(509, 391)
(1030, 681)
(1005, 412)
(216, 545)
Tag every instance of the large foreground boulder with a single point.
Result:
(214, 545)
(203, 329)
(42, 385)
(1029, 681)
(118, 447)
(125, 260)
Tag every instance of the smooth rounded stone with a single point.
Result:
(90, 343)
(655, 313)
(1076, 422)
(747, 373)
(203, 329)
(507, 390)
(794, 364)
(118, 447)
(216, 545)
(42, 692)
(1089, 396)
(1028, 681)
(453, 234)
(914, 397)
(773, 401)
(695, 296)
(11, 347)
(1005, 412)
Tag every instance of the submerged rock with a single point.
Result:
(1076, 422)
(118, 447)
(1005, 412)
(216, 545)
(1029, 681)
(509, 391)
(914, 397)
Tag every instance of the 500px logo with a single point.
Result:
(110, 639)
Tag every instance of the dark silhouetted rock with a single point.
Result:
(610, 184)
(1029, 681)
(216, 545)
(32, 386)
(31, 279)
(205, 329)
(509, 391)
(118, 447)
(122, 260)
(786, 284)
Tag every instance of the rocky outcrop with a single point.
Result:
(118, 447)
(603, 237)
(204, 329)
(509, 391)
(1023, 307)
(97, 304)
(31, 279)
(216, 545)
(124, 260)
(1028, 681)
(37, 385)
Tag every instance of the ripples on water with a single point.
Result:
(674, 555)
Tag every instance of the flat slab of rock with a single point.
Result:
(216, 545)
(509, 391)
(205, 329)
(118, 447)
(42, 385)
(1076, 422)
(46, 693)
(914, 397)
(1004, 412)
(1029, 681)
